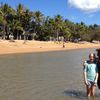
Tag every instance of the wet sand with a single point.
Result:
(19, 46)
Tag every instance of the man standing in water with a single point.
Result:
(90, 74)
(98, 64)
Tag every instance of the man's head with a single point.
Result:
(98, 52)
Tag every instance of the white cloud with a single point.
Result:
(86, 5)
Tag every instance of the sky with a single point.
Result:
(87, 11)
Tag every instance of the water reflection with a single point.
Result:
(78, 94)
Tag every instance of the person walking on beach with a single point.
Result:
(90, 74)
(98, 64)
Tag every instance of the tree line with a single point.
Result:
(21, 23)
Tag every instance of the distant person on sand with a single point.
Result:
(98, 64)
(63, 45)
(90, 73)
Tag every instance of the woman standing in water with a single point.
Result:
(90, 74)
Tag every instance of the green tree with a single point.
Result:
(58, 25)
(37, 20)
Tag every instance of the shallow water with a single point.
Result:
(43, 76)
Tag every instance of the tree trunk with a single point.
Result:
(4, 32)
(57, 36)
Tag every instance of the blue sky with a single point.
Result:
(84, 10)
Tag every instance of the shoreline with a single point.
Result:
(19, 46)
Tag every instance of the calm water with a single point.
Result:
(43, 76)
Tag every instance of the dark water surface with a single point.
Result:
(43, 76)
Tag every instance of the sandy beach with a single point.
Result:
(18, 46)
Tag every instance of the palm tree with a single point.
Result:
(6, 12)
(51, 27)
(1, 22)
(38, 19)
(58, 24)
(20, 11)
(21, 15)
